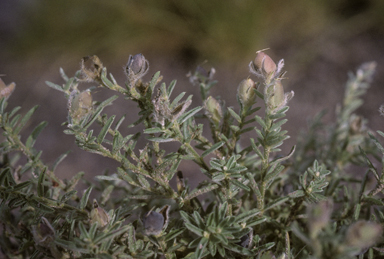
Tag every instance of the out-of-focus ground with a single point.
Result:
(320, 42)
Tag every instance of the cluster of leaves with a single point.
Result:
(256, 203)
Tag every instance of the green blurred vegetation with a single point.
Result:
(191, 30)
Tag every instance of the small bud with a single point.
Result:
(246, 93)
(363, 234)
(43, 233)
(99, 215)
(264, 62)
(213, 110)
(201, 75)
(319, 216)
(79, 104)
(6, 90)
(154, 222)
(136, 67)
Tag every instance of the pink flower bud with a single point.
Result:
(269, 65)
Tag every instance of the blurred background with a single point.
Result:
(320, 41)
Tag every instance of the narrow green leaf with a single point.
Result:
(55, 86)
(377, 143)
(200, 249)
(161, 139)
(276, 202)
(99, 110)
(40, 186)
(240, 185)
(173, 234)
(189, 114)
(356, 213)
(176, 100)
(234, 115)
(255, 222)
(22, 185)
(277, 124)
(25, 119)
(199, 191)
(63, 75)
(105, 129)
(118, 124)
(15, 120)
(3, 104)
(16, 202)
(67, 196)
(260, 121)
(153, 82)
(110, 235)
(213, 148)
(194, 229)
(373, 201)
(243, 217)
(370, 165)
(261, 96)
(244, 130)
(277, 116)
(171, 87)
(58, 160)
(35, 133)
(84, 199)
(296, 194)
(143, 182)
(256, 149)
(153, 130)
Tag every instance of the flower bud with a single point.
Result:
(43, 233)
(246, 93)
(278, 96)
(6, 90)
(213, 110)
(99, 215)
(137, 66)
(264, 62)
(79, 104)
(363, 234)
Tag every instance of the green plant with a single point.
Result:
(255, 203)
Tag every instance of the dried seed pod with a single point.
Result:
(91, 69)
(136, 67)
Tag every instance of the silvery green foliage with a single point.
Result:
(256, 201)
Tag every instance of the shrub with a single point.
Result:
(256, 202)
